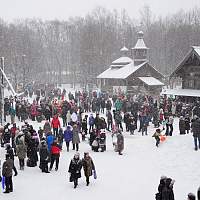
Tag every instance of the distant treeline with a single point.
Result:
(82, 47)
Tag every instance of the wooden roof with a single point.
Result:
(195, 50)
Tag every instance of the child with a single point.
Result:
(157, 135)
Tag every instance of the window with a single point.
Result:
(191, 83)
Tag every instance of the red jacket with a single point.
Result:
(55, 123)
(55, 150)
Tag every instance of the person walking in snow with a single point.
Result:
(75, 169)
(55, 124)
(196, 132)
(182, 125)
(55, 155)
(88, 167)
(21, 153)
(157, 135)
(7, 173)
(91, 123)
(165, 189)
(187, 123)
(109, 120)
(169, 125)
(75, 137)
(68, 136)
(10, 152)
(47, 127)
(50, 139)
(120, 142)
(44, 156)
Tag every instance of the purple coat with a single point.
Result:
(68, 134)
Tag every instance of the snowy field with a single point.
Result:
(135, 175)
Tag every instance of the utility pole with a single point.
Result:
(2, 92)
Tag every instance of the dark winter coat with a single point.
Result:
(187, 123)
(75, 168)
(32, 150)
(6, 136)
(7, 168)
(182, 126)
(44, 153)
(118, 118)
(108, 105)
(10, 152)
(75, 136)
(88, 166)
(196, 128)
(109, 118)
(120, 142)
(97, 123)
(167, 192)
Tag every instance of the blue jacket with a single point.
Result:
(91, 120)
(50, 140)
(68, 135)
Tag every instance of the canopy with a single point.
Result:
(151, 81)
(182, 92)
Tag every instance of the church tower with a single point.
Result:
(140, 51)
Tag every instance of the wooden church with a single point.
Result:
(135, 74)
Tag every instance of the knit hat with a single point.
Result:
(191, 196)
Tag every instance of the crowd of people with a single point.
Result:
(89, 114)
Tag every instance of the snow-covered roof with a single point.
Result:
(121, 73)
(124, 49)
(197, 49)
(151, 81)
(182, 92)
(140, 44)
(122, 59)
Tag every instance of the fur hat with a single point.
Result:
(163, 177)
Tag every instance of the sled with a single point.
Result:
(163, 138)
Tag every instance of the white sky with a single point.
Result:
(62, 9)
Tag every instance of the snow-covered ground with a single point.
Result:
(135, 175)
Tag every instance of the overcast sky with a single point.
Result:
(62, 9)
